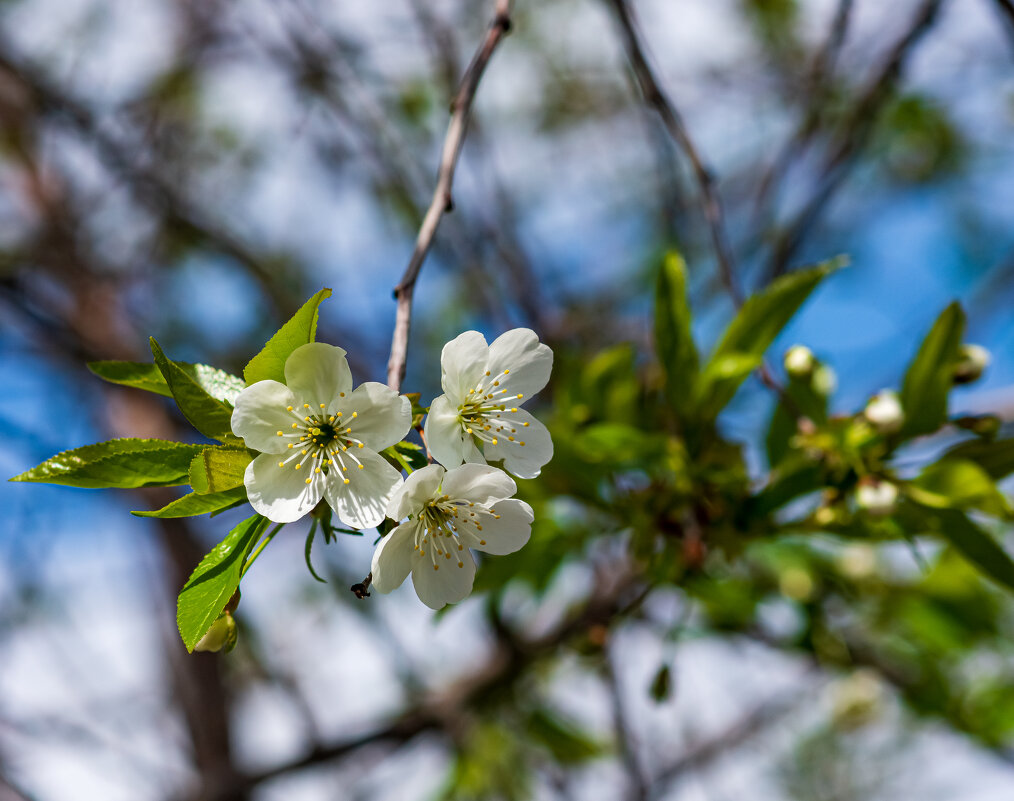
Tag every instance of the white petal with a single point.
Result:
(529, 361)
(510, 532)
(478, 483)
(445, 437)
(317, 373)
(383, 416)
(524, 461)
(446, 585)
(462, 362)
(281, 494)
(260, 414)
(361, 502)
(418, 488)
(392, 559)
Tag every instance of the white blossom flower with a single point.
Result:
(449, 512)
(319, 439)
(484, 387)
(884, 411)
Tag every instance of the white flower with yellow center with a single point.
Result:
(319, 439)
(449, 512)
(478, 418)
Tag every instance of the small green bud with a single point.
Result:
(825, 380)
(884, 411)
(221, 635)
(972, 361)
(878, 498)
(799, 361)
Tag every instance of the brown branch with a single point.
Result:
(1006, 10)
(442, 198)
(654, 95)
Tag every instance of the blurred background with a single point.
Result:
(195, 169)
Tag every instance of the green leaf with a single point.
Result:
(673, 338)
(406, 455)
(214, 581)
(929, 377)
(996, 458)
(299, 330)
(562, 738)
(219, 384)
(753, 330)
(216, 469)
(207, 414)
(957, 484)
(192, 504)
(119, 463)
(972, 542)
(800, 398)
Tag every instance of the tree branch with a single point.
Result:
(442, 201)
(654, 95)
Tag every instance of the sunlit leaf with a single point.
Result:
(216, 469)
(192, 504)
(300, 329)
(207, 414)
(120, 463)
(140, 375)
(214, 581)
(929, 377)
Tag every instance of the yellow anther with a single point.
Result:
(514, 409)
(306, 405)
(471, 391)
(306, 419)
(322, 406)
(360, 444)
(478, 527)
(346, 481)
(447, 556)
(339, 414)
(295, 425)
(341, 394)
(496, 383)
(482, 542)
(521, 444)
(303, 451)
(361, 466)
(468, 431)
(288, 408)
(331, 419)
(471, 505)
(279, 433)
(497, 517)
(494, 440)
(506, 371)
(291, 446)
(510, 439)
(309, 480)
(520, 396)
(298, 466)
(487, 372)
(436, 567)
(328, 462)
(461, 564)
(315, 431)
(355, 414)
(525, 425)
(316, 470)
(281, 464)
(344, 469)
(348, 430)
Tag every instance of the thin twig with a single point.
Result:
(855, 134)
(655, 96)
(442, 199)
(1006, 9)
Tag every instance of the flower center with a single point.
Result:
(448, 526)
(485, 413)
(323, 440)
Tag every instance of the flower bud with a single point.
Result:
(857, 699)
(879, 498)
(221, 635)
(972, 361)
(884, 411)
(799, 361)
(825, 380)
